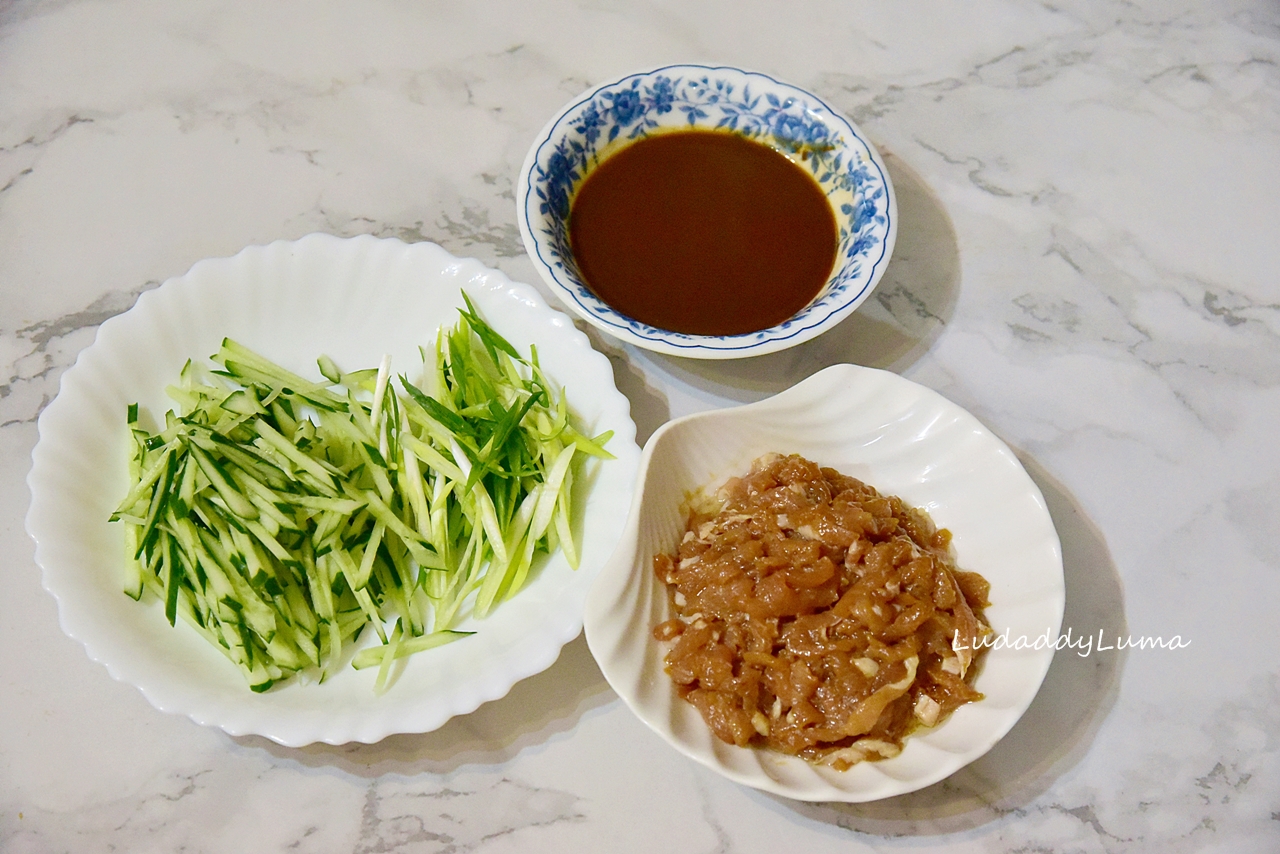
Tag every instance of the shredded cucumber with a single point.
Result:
(282, 517)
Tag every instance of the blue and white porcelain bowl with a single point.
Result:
(795, 122)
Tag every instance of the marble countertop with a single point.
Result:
(1089, 194)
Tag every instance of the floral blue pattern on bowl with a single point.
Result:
(793, 121)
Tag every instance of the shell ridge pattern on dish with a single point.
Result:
(795, 122)
(832, 412)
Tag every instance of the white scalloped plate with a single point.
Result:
(353, 299)
(903, 439)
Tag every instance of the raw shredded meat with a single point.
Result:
(817, 617)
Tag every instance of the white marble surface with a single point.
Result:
(1090, 196)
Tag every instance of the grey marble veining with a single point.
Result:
(1089, 195)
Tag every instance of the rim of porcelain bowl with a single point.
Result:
(792, 120)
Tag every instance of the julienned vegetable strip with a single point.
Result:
(281, 516)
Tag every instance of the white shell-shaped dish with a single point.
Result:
(354, 300)
(905, 440)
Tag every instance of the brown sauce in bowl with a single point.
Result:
(703, 232)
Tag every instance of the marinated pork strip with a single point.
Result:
(817, 617)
